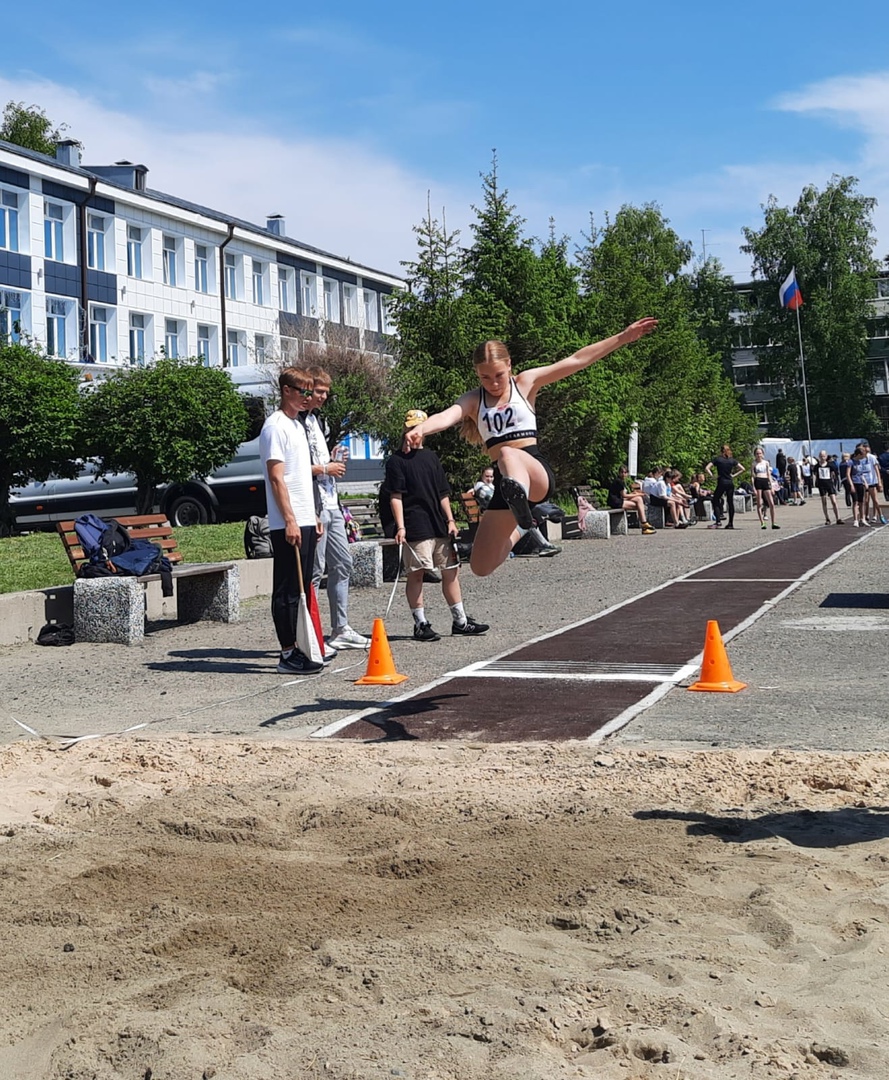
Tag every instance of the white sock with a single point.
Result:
(458, 613)
(285, 653)
(419, 615)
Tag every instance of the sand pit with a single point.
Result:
(191, 908)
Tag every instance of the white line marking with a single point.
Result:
(650, 699)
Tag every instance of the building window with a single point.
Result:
(234, 352)
(331, 301)
(170, 277)
(53, 231)
(9, 220)
(371, 318)
(95, 242)
(204, 344)
(137, 338)
(201, 268)
(10, 315)
(99, 335)
(171, 338)
(134, 251)
(261, 349)
(56, 317)
(285, 289)
(231, 277)
(350, 305)
(385, 314)
(258, 282)
(308, 286)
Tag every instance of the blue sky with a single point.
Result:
(343, 117)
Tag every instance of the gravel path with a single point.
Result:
(815, 672)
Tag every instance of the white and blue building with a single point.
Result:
(103, 271)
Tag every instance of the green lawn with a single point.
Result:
(38, 561)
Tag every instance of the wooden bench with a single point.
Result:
(598, 523)
(112, 609)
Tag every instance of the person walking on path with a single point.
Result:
(332, 552)
(619, 498)
(762, 487)
(293, 521)
(727, 468)
(500, 415)
(419, 495)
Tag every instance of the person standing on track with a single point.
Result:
(500, 415)
(332, 550)
(294, 524)
(826, 477)
(762, 487)
(419, 495)
(727, 468)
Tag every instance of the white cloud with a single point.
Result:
(857, 101)
(343, 197)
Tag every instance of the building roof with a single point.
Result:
(195, 208)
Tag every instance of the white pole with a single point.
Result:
(633, 450)
(802, 363)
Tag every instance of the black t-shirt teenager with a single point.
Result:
(616, 492)
(724, 467)
(418, 476)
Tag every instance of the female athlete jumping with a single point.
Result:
(500, 415)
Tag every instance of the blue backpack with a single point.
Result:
(110, 550)
(101, 540)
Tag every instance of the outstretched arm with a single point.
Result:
(530, 381)
(433, 425)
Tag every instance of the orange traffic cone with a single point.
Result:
(716, 671)
(380, 665)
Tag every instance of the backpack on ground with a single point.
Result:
(56, 634)
(257, 542)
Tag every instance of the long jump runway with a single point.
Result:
(632, 654)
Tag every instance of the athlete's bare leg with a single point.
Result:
(494, 539)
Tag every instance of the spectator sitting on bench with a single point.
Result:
(619, 498)
(698, 492)
(654, 487)
(672, 478)
(483, 490)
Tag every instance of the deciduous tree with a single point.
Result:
(39, 420)
(166, 422)
(828, 237)
(30, 127)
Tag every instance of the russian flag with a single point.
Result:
(789, 293)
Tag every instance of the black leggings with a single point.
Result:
(285, 580)
(724, 488)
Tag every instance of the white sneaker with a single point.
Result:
(348, 638)
(855, 524)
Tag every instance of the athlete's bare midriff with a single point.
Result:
(519, 444)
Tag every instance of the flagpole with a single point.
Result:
(802, 363)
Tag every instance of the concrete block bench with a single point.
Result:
(603, 524)
(111, 610)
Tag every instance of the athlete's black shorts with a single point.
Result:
(499, 503)
(826, 487)
(760, 483)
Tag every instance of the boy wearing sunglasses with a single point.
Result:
(293, 521)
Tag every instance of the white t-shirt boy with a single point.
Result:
(283, 439)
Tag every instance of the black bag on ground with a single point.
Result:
(257, 542)
(55, 634)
